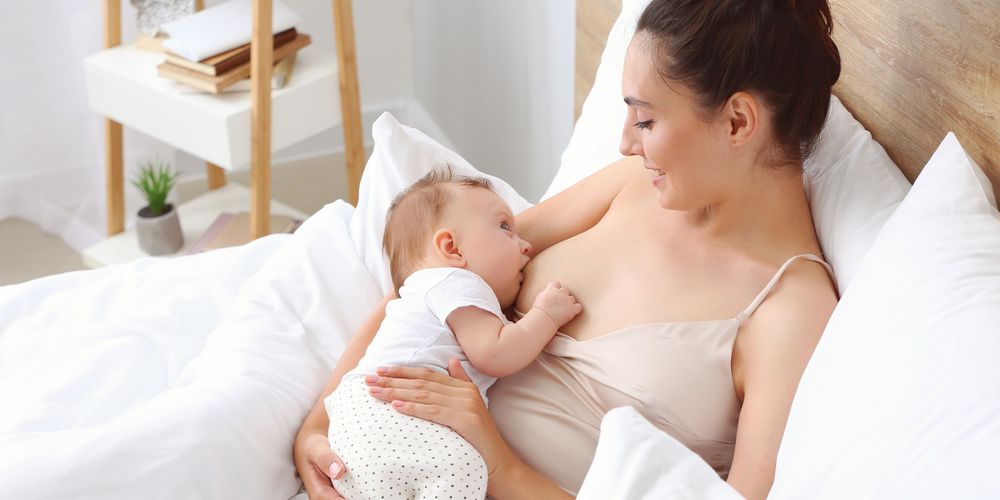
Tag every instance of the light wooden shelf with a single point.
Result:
(227, 131)
(122, 85)
(195, 215)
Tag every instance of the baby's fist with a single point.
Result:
(558, 303)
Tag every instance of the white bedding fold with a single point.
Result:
(116, 385)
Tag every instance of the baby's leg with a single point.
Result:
(391, 455)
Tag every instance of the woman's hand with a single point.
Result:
(318, 465)
(451, 401)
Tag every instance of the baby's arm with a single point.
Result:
(497, 350)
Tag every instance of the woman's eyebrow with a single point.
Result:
(639, 103)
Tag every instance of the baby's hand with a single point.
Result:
(558, 303)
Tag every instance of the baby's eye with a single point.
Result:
(643, 125)
(504, 226)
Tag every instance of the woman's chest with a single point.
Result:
(637, 266)
(676, 376)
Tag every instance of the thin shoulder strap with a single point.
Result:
(777, 276)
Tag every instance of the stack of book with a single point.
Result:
(220, 71)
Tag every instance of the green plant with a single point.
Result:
(155, 180)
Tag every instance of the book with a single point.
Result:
(216, 84)
(280, 77)
(231, 229)
(225, 61)
(282, 73)
(220, 28)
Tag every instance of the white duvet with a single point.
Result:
(112, 387)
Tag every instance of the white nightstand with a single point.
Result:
(122, 85)
(226, 130)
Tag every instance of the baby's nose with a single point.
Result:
(525, 247)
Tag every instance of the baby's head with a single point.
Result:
(447, 220)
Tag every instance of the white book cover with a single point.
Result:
(220, 28)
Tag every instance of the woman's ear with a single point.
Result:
(447, 248)
(742, 114)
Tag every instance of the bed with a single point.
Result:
(187, 378)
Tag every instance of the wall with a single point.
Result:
(497, 79)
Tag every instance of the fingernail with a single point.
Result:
(375, 390)
(397, 404)
(371, 379)
(334, 469)
(382, 370)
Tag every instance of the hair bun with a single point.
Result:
(817, 22)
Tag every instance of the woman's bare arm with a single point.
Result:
(770, 354)
(517, 480)
(311, 450)
(578, 208)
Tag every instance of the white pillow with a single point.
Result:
(637, 461)
(402, 156)
(902, 397)
(853, 188)
(854, 185)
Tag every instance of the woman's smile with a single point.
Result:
(658, 176)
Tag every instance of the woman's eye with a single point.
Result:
(504, 226)
(643, 125)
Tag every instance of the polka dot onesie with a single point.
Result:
(391, 455)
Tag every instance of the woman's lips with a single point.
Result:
(659, 178)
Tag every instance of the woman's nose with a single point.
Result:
(630, 145)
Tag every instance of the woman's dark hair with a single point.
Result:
(779, 50)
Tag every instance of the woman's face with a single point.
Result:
(687, 157)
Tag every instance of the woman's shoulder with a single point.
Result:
(803, 296)
(783, 331)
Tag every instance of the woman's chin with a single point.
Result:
(668, 201)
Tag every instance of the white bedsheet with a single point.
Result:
(112, 387)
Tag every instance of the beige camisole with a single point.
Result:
(677, 375)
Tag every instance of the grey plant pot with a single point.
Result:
(159, 235)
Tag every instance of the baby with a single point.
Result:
(456, 262)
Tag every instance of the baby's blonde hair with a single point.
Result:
(413, 217)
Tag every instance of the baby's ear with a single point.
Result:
(447, 248)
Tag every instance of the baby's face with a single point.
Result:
(487, 237)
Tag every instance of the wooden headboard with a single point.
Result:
(912, 71)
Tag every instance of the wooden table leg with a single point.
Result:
(350, 100)
(261, 59)
(114, 176)
(113, 165)
(216, 176)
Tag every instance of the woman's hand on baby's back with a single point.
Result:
(556, 301)
(453, 401)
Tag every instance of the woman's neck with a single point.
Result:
(771, 209)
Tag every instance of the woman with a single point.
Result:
(705, 219)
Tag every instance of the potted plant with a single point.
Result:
(157, 226)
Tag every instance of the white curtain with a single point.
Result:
(51, 143)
